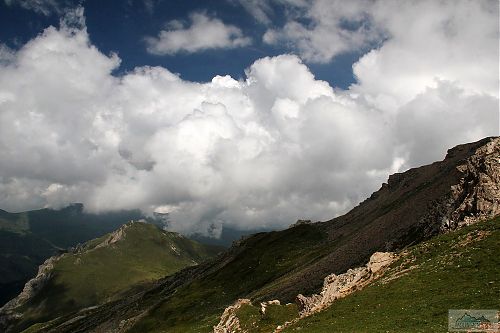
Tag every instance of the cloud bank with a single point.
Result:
(204, 33)
(259, 152)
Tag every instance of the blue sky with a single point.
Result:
(121, 26)
(249, 114)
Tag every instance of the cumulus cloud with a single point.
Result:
(319, 30)
(204, 33)
(44, 7)
(258, 152)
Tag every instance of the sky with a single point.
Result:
(249, 114)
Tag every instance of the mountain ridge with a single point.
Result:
(100, 270)
(411, 207)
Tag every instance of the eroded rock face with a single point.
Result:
(477, 195)
(264, 305)
(229, 322)
(31, 288)
(115, 236)
(338, 286)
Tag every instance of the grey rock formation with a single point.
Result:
(477, 195)
(338, 286)
(229, 322)
(31, 288)
(264, 305)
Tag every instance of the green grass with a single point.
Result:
(99, 274)
(459, 270)
(253, 321)
(265, 257)
(443, 274)
(18, 223)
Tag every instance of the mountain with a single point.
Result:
(412, 295)
(411, 207)
(27, 239)
(102, 269)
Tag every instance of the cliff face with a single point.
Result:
(477, 195)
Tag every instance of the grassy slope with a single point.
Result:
(28, 238)
(252, 321)
(264, 258)
(459, 270)
(96, 275)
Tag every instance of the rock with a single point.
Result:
(33, 286)
(300, 222)
(115, 236)
(338, 286)
(477, 196)
(379, 260)
(264, 305)
(31, 289)
(307, 304)
(229, 322)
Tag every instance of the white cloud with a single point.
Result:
(204, 33)
(264, 151)
(45, 7)
(259, 9)
(323, 29)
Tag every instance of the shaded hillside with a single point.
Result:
(28, 238)
(412, 207)
(101, 269)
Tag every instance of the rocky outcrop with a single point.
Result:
(115, 236)
(300, 222)
(334, 287)
(473, 197)
(229, 322)
(477, 195)
(33, 286)
(264, 305)
(31, 289)
(338, 286)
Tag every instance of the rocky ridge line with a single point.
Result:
(31, 288)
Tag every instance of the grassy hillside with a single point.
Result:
(102, 269)
(459, 270)
(408, 209)
(260, 260)
(280, 265)
(28, 238)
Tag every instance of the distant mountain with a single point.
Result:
(28, 238)
(227, 237)
(411, 207)
(103, 269)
